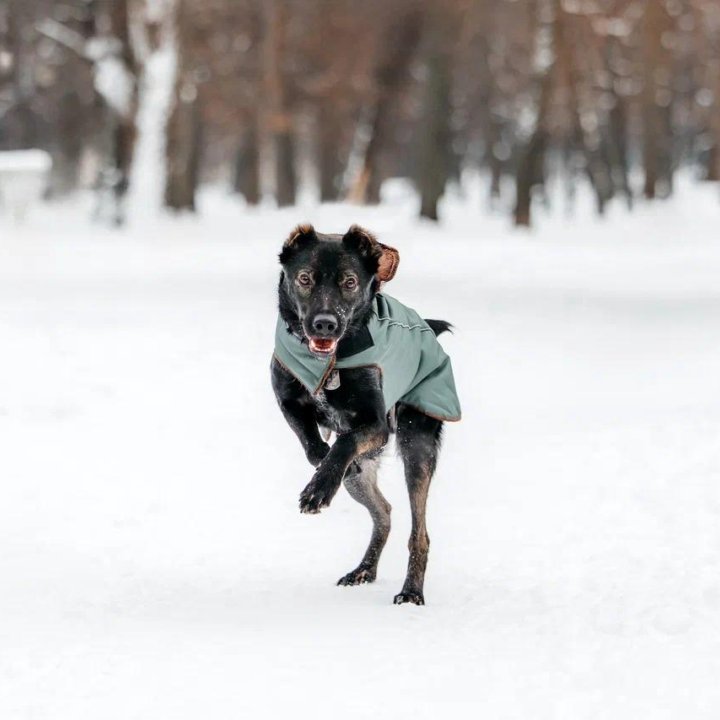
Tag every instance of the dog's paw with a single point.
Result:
(416, 598)
(319, 492)
(358, 576)
(316, 453)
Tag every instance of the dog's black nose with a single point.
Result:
(325, 324)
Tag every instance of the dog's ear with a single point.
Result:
(301, 236)
(382, 260)
(362, 242)
(388, 263)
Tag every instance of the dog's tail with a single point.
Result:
(439, 326)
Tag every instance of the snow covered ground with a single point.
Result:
(153, 562)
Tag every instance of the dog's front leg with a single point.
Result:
(301, 419)
(366, 440)
(299, 414)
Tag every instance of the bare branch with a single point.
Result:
(64, 36)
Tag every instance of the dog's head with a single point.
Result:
(328, 282)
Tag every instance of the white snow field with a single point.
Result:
(153, 561)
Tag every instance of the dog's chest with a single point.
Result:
(335, 418)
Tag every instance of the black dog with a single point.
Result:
(342, 350)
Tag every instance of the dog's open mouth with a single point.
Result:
(322, 346)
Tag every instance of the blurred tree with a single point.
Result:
(184, 127)
(247, 165)
(434, 138)
(704, 20)
(47, 95)
(401, 35)
(98, 33)
(116, 73)
(269, 94)
(657, 100)
(531, 169)
(277, 112)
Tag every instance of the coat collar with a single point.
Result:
(356, 343)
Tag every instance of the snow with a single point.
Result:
(154, 561)
(113, 80)
(25, 161)
(23, 179)
(155, 98)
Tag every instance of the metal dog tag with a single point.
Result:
(333, 381)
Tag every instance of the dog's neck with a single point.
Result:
(292, 320)
(287, 311)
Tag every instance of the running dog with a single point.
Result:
(353, 361)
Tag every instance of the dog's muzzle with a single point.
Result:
(324, 335)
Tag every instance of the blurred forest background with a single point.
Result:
(268, 95)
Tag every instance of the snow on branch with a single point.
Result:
(64, 36)
(113, 81)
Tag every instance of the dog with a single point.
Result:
(353, 361)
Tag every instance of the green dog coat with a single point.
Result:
(414, 368)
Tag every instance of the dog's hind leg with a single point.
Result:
(361, 482)
(418, 438)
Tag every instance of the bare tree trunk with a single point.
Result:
(710, 27)
(23, 120)
(184, 128)
(123, 130)
(435, 160)
(712, 166)
(654, 123)
(530, 171)
(714, 161)
(184, 135)
(481, 16)
(617, 145)
(247, 165)
(495, 163)
(579, 81)
(330, 165)
(398, 50)
(667, 158)
(278, 114)
(285, 167)
(68, 146)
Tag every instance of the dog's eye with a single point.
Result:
(304, 279)
(350, 283)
